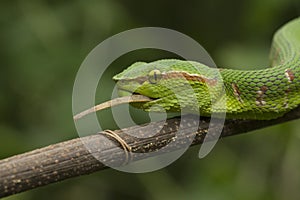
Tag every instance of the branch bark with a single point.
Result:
(71, 158)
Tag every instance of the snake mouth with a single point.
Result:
(123, 92)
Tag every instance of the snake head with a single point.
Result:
(141, 78)
(172, 84)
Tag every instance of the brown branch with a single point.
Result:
(71, 158)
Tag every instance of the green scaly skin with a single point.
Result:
(257, 94)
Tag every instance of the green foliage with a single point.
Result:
(43, 44)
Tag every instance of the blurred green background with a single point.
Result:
(43, 44)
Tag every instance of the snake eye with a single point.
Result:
(154, 76)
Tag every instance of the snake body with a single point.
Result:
(265, 94)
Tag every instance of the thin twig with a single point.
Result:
(112, 103)
(71, 158)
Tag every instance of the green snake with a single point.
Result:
(173, 85)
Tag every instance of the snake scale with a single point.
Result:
(175, 85)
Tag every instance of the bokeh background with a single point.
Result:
(43, 44)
